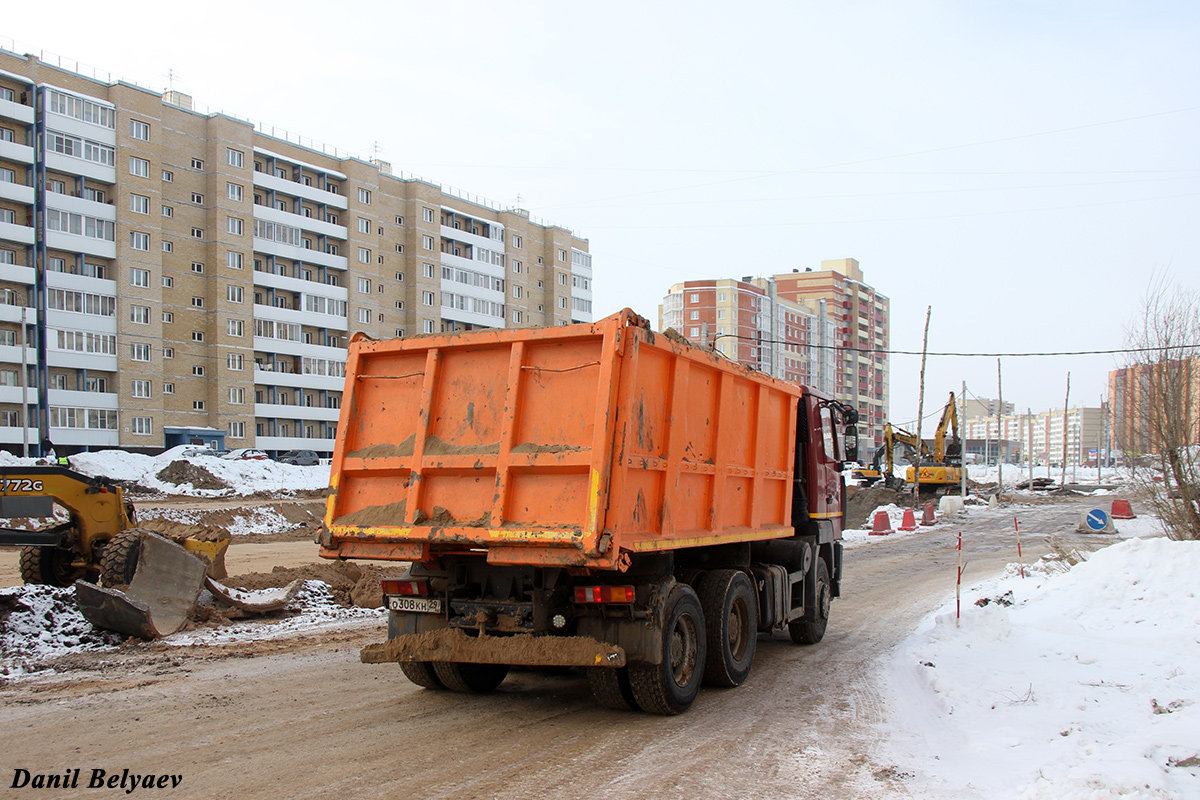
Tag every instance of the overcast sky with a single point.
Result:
(1021, 167)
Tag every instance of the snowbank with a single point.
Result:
(1087, 686)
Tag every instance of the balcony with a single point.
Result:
(293, 189)
(22, 154)
(300, 221)
(299, 317)
(17, 111)
(12, 232)
(288, 411)
(285, 347)
(299, 380)
(77, 399)
(291, 443)
(475, 240)
(15, 273)
(281, 250)
(78, 166)
(17, 193)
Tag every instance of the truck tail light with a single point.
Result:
(404, 586)
(604, 594)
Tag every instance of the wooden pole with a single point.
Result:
(962, 406)
(921, 405)
(1066, 404)
(999, 432)
(1029, 440)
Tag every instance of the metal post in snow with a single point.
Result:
(1020, 557)
(999, 432)
(958, 584)
(1029, 439)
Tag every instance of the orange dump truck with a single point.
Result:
(592, 495)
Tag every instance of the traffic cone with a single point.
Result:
(927, 516)
(909, 521)
(1122, 510)
(882, 525)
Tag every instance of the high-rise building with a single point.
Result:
(824, 328)
(170, 276)
(1139, 393)
(984, 407)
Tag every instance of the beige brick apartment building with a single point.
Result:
(169, 276)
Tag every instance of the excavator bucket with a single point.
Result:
(160, 599)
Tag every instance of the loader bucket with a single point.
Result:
(160, 599)
(258, 602)
(212, 552)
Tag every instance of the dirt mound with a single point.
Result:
(352, 584)
(179, 472)
(868, 498)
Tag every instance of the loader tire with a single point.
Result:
(611, 688)
(670, 687)
(731, 619)
(422, 674)
(49, 566)
(811, 631)
(471, 678)
(119, 561)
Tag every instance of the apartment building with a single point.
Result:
(823, 328)
(169, 276)
(1042, 435)
(981, 407)
(1132, 391)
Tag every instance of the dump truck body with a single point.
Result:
(571, 485)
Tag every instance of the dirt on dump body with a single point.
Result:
(352, 584)
(530, 447)
(389, 515)
(178, 472)
(452, 644)
(868, 498)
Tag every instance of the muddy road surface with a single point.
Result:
(302, 718)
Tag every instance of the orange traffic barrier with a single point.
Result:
(882, 525)
(927, 517)
(909, 521)
(1122, 510)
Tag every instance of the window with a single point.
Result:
(234, 191)
(197, 405)
(167, 211)
(720, 313)
(197, 302)
(198, 267)
(562, 302)
(6, 135)
(237, 430)
(364, 315)
(237, 395)
(399, 276)
(235, 294)
(235, 158)
(400, 305)
(694, 298)
(168, 388)
(236, 327)
(139, 351)
(139, 277)
(197, 336)
(518, 317)
(141, 425)
(197, 233)
(168, 247)
(364, 225)
(427, 299)
(197, 163)
(399, 220)
(516, 241)
(168, 352)
(427, 242)
(58, 187)
(168, 176)
(364, 255)
(236, 226)
(562, 255)
(139, 130)
(168, 317)
(236, 361)
(364, 285)
(139, 167)
(234, 260)
(364, 196)
(695, 315)
(140, 388)
(562, 278)
(168, 281)
(139, 314)
(516, 265)
(197, 198)
(517, 291)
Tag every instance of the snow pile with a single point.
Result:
(244, 477)
(1086, 686)
(42, 623)
(262, 520)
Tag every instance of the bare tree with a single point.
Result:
(1162, 401)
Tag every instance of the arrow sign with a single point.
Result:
(1097, 519)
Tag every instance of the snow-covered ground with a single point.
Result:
(1063, 684)
(244, 477)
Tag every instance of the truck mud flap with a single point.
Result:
(160, 599)
(452, 644)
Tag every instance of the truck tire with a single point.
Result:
(811, 631)
(670, 687)
(472, 678)
(731, 620)
(422, 674)
(119, 560)
(49, 566)
(611, 688)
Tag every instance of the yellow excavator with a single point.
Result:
(940, 470)
(883, 465)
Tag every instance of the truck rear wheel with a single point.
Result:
(49, 566)
(119, 560)
(811, 630)
(473, 678)
(731, 619)
(422, 674)
(611, 688)
(670, 687)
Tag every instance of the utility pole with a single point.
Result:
(1066, 405)
(962, 488)
(1029, 440)
(921, 405)
(999, 432)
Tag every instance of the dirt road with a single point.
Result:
(302, 718)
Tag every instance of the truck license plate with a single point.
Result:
(426, 605)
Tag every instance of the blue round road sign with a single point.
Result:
(1097, 519)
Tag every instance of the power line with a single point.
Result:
(877, 351)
